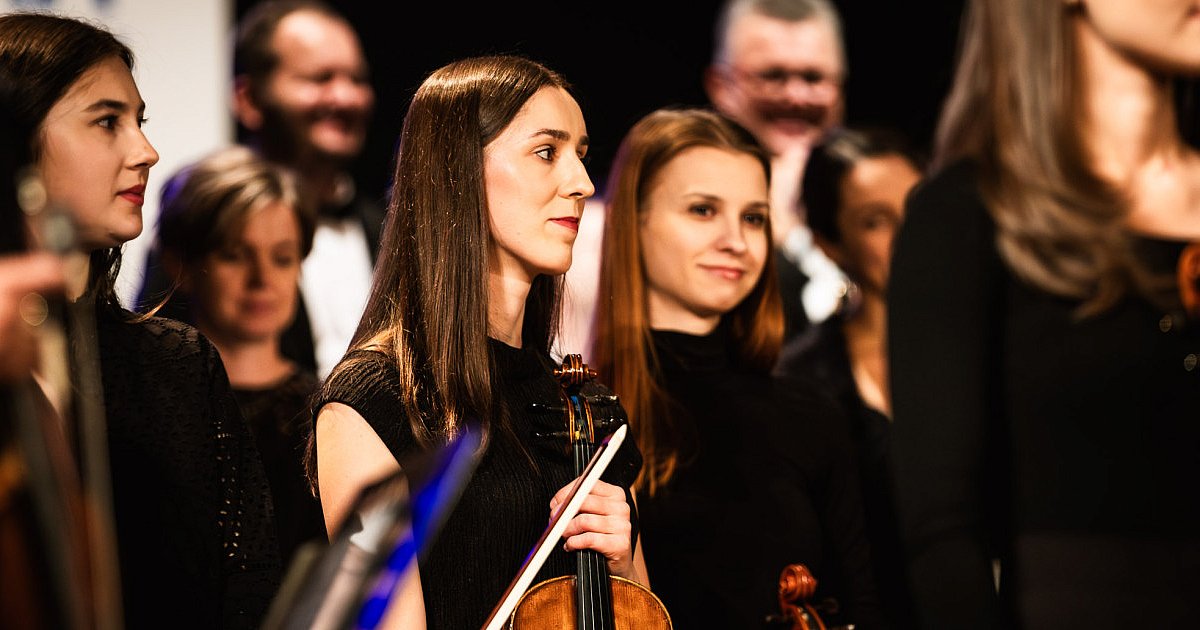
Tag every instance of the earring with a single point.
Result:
(850, 298)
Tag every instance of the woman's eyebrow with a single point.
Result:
(112, 104)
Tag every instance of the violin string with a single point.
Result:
(587, 574)
(584, 592)
(596, 586)
(593, 597)
(601, 592)
(596, 592)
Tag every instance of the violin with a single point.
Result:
(796, 588)
(55, 497)
(592, 599)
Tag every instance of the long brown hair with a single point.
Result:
(428, 308)
(1014, 109)
(41, 56)
(622, 350)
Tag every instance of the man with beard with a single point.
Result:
(778, 67)
(303, 99)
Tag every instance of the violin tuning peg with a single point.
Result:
(537, 407)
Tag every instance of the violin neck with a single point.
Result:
(593, 594)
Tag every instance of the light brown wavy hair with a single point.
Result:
(1015, 109)
(217, 197)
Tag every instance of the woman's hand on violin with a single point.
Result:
(603, 525)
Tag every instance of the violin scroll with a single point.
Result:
(796, 583)
(573, 372)
(796, 586)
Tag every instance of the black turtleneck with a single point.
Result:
(772, 482)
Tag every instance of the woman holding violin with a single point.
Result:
(744, 475)
(484, 209)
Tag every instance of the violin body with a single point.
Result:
(551, 604)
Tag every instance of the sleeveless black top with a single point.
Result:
(506, 504)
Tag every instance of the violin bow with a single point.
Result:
(558, 524)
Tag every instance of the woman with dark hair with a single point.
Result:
(233, 236)
(484, 209)
(744, 474)
(854, 187)
(192, 509)
(1043, 359)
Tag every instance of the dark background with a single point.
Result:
(626, 58)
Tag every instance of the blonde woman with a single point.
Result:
(233, 234)
(1043, 364)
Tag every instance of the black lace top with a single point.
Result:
(278, 418)
(506, 505)
(193, 510)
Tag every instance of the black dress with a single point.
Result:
(772, 483)
(1066, 448)
(820, 354)
(278, 418)
(193, 511)
(506, 505)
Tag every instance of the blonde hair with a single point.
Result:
(1014, 109)
(218, 193)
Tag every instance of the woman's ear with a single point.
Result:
(245, 108)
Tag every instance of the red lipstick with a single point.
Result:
(134, 194)
(571, 223)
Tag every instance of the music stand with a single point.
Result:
(349, 583)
